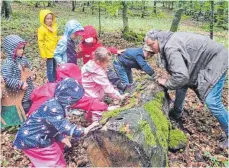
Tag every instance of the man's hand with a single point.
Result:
(24, 86)
(94, 124)
(121, 51)
(162, 81)
(67, 142)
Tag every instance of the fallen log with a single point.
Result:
(136, 135)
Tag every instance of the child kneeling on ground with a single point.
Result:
(43, 135)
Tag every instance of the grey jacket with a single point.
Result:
(192, 60)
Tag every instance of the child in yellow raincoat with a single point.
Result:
(47, 41)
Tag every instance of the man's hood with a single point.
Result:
(161, 36)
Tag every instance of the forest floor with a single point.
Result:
(203, 130)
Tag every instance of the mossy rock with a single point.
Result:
(136, 136)
(177, 140)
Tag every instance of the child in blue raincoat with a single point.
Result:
(43, 134)
(67, 46)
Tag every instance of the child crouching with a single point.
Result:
(43, 135)
(95, 80)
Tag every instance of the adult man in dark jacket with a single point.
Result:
(193, 61)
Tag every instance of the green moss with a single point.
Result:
(154, 108)
(177, 137)
(149, 137)
(132, 36)
(159, 119)
(116, 112)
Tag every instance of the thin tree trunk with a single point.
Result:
(73, 5)
(177, 18)
(37, 4)
(155, 7)
(83, 9)
(92, 7)
(7, 9)
(171, 5)
(124, 17)
(49, 4)
(2, 8)
(143, 9)
(220, 13)
(99, 19)
(212, 19)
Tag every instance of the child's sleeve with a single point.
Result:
(41, 43)
(10, 82)
(113, 50)
(60, 50)
(90, 104)
(108, 88)
(62, 125)
(25, 62)
(80, 54)
(144, 65)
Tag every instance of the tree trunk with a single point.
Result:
(73, 5)
(200, 12)
(92, 7)
(137, 136)
(212, 19)
(155, 7)
(6, 8)
(163, 4)
(49, 4)
(177, 18)
(191, 5)
(220, 14)
(143, 9)
(83, 9)
(99, 19)
(124, 17)
(171, 5)
(37, 4)
(2, 8)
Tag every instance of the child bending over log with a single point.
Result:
(95, 80)
(44, 133)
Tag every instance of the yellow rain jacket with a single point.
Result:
(47, 37)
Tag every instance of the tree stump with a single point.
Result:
(136, 135)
